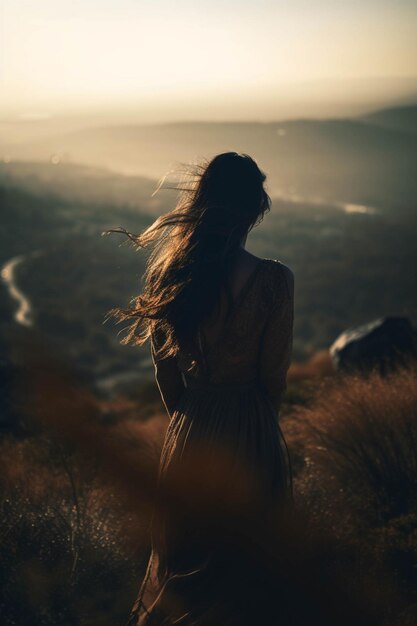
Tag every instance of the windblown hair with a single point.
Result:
(193, 248)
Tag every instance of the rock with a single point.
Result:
(383, 344)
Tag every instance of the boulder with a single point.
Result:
(381, 344)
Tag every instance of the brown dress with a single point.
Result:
(223, 396)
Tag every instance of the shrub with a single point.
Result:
(358, 441)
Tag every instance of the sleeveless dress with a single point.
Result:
(223, 445)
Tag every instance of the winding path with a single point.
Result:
(23, 314)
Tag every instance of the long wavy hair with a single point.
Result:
(193, 249)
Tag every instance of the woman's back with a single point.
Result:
(254, 340)
(223, 427)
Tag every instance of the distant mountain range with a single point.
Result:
(397, 118)
(367, 160)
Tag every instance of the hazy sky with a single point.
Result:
(61, 54)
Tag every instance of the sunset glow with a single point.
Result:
(57, 56)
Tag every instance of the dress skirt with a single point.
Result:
(224, 464)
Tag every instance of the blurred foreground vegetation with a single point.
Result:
(76, 493)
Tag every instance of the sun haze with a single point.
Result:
(194, 59)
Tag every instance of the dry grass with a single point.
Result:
(62, 533)
(363, 432)
(317, 366)
(76, 500)
(356, 452)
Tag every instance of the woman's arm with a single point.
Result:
(168, 378)
(276, 348)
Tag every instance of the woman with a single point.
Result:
(220, 322)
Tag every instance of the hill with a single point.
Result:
(86, 185)
(336, 160)
(399, 118)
